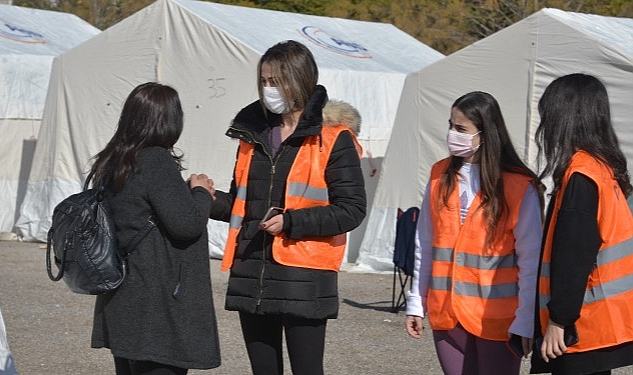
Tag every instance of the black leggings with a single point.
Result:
(125, 366)
(305, 340)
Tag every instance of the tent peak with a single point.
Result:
(614, 31)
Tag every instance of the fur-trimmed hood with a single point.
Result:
(253, 120)
(337, 112)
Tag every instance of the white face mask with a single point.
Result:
(275, 101)
(461, 144)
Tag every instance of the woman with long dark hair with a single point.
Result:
(585, 294)
(477, 246)
(161, 320)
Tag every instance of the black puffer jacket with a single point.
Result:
(257, 283)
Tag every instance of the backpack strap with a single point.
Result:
(151, 223)
(88, 179)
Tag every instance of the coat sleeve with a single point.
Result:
(346, 190)
(574, 249)
(181, 211)
(528, 236)
(223, 203)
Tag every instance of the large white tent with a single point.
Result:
(209, 53)
(29, 41)
(515, 65)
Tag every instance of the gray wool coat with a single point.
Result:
(163, 312)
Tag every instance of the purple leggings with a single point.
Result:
(462, 353)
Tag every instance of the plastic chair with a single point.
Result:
(403, 256)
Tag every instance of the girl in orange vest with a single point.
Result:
(297, 152)
(477, 247)
(585, 293)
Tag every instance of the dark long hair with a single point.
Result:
(151, 116)
(575, 116)
(496, 155)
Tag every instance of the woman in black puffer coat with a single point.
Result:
(297, 152)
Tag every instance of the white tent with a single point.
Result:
(29, 40)
(514, 65)
(209, 53)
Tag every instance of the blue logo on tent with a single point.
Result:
(338, 45)
(20, 35)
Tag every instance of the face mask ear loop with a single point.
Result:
(481, 142)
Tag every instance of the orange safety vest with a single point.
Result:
(305, 187)
(607, 309)
(471, 283)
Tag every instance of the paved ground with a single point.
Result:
(49, 327)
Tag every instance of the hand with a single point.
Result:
(274, 225)
(202, 180)
(414, 326)
(553, 342)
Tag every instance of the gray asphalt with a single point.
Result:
(49, 327)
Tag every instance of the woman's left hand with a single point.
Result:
(274, 225)
(553, 342)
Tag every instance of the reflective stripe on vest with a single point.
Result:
(305, 187)
(244, 156)
(605, 290)
(471, 284)
(477, 262)
(236, 220)
(605, 315)
(298, 189)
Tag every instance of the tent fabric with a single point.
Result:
(206, 52)
(29, 41)
(515, 65)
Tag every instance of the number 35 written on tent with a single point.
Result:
(216, 87)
